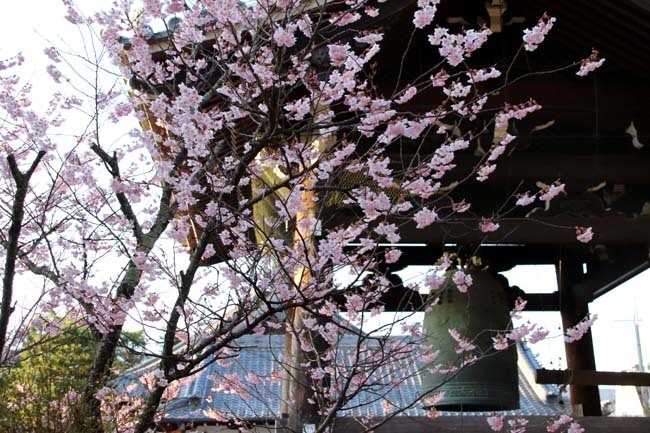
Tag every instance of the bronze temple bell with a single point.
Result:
(491, 383)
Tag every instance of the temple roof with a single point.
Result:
(199, 396)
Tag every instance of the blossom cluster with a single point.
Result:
(590, 64)
(534, 36)
(576, 332)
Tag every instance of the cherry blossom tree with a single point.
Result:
(213, 216)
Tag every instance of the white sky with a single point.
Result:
(613, 332)
(26, 26)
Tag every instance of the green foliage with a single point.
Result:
(40, 392)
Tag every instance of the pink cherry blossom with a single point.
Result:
(369, 38)
(496, 152)
(53, 54)
(480, 75)
(576, 332)
(534, 36)
(345, 18)
(433, 281)
(538, 334)
(520, 305)
(487, 225)
(389, 231)
(482, 176)
(54, 73)
(551, 191)
(516, 112)
(440, 79)
(462, 343)
(457, 90)
(455, 48)
(392, 255)
(555, 425)
(590, 64)
(461, 206)
(305, 25)
(518, 333)
(524, 199)
(500, 342)
(425, 217)
(284, 37)
(425, 13)
(407, 95)
(371, 11)
(495, 422)
(584, 234)
(175, 7)
(575, 427)
(462, 281)
(435, 398)
(517, 425)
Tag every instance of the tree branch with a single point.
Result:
(114, 170)
(13, 237)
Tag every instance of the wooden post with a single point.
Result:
(585, 399)
(294, 407)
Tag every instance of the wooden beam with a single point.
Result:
(622, 277)
(578, 172)
(625, 265)
(609, 230)
(477, 424)
(588, 377)
(542, 301)
(497, 256)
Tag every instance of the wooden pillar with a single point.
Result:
(295, 409)
(585, 399)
